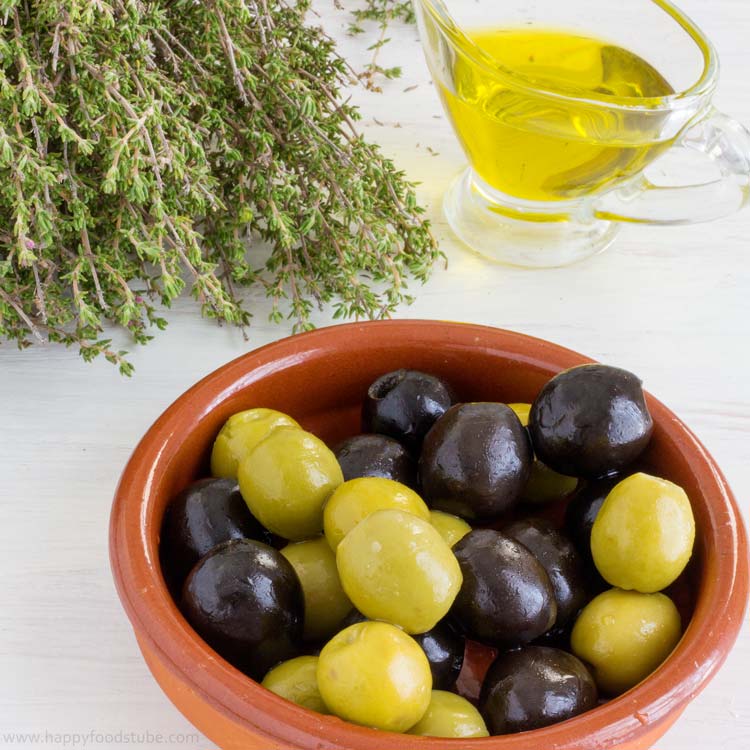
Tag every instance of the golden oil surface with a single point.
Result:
(540, 148)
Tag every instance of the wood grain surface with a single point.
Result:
(673, 305)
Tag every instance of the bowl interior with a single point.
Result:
(320, 379)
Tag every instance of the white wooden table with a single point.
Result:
(673, 305)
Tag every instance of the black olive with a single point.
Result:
(245, 600)
(445, 652)
(506, 598)
(558, 636)
(404, 404)
(204, 515)
(475, 461)
(376, 456)
(559, 558)
(591, 421)
(533, 688)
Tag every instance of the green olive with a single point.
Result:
(624, 636)
(450, 715)
(326, 604)
(285, 481)
(522, 411)
(643, 537)
(358, 498)
(396, 567)
(546, 486)
(240, 434)
(297, 681)
(450, 527)
(374, 674)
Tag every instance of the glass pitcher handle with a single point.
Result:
(723, 142)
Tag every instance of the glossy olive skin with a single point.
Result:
(404, 404)
(395, 567)
(582, 511)
(374, 674)
(506, 598)
(450, 527)
(545, 486)
(376, 456)
(624, 636)
(560, 559)
(240, 434)
(204, 515)
(449, 715)
(534, 688)
(443, 648)
(475, 461)
(245, 600)
(297, 681)
(286, 480)
(326, 604)
(644, 534)
(558, 636)
(352, 501)
(353, 618)
(590, 421)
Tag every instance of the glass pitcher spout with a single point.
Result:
(458, 18)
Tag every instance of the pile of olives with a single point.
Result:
(353, 580)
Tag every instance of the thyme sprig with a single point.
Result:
(144, 146)
(383, 13)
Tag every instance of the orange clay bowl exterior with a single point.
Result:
(320, 378)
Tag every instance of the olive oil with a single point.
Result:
(536, 147)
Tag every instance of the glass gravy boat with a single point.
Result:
(554, 169)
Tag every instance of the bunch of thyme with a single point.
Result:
(145, 145)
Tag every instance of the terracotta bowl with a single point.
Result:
(320, 379)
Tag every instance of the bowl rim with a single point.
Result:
(714, 627)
